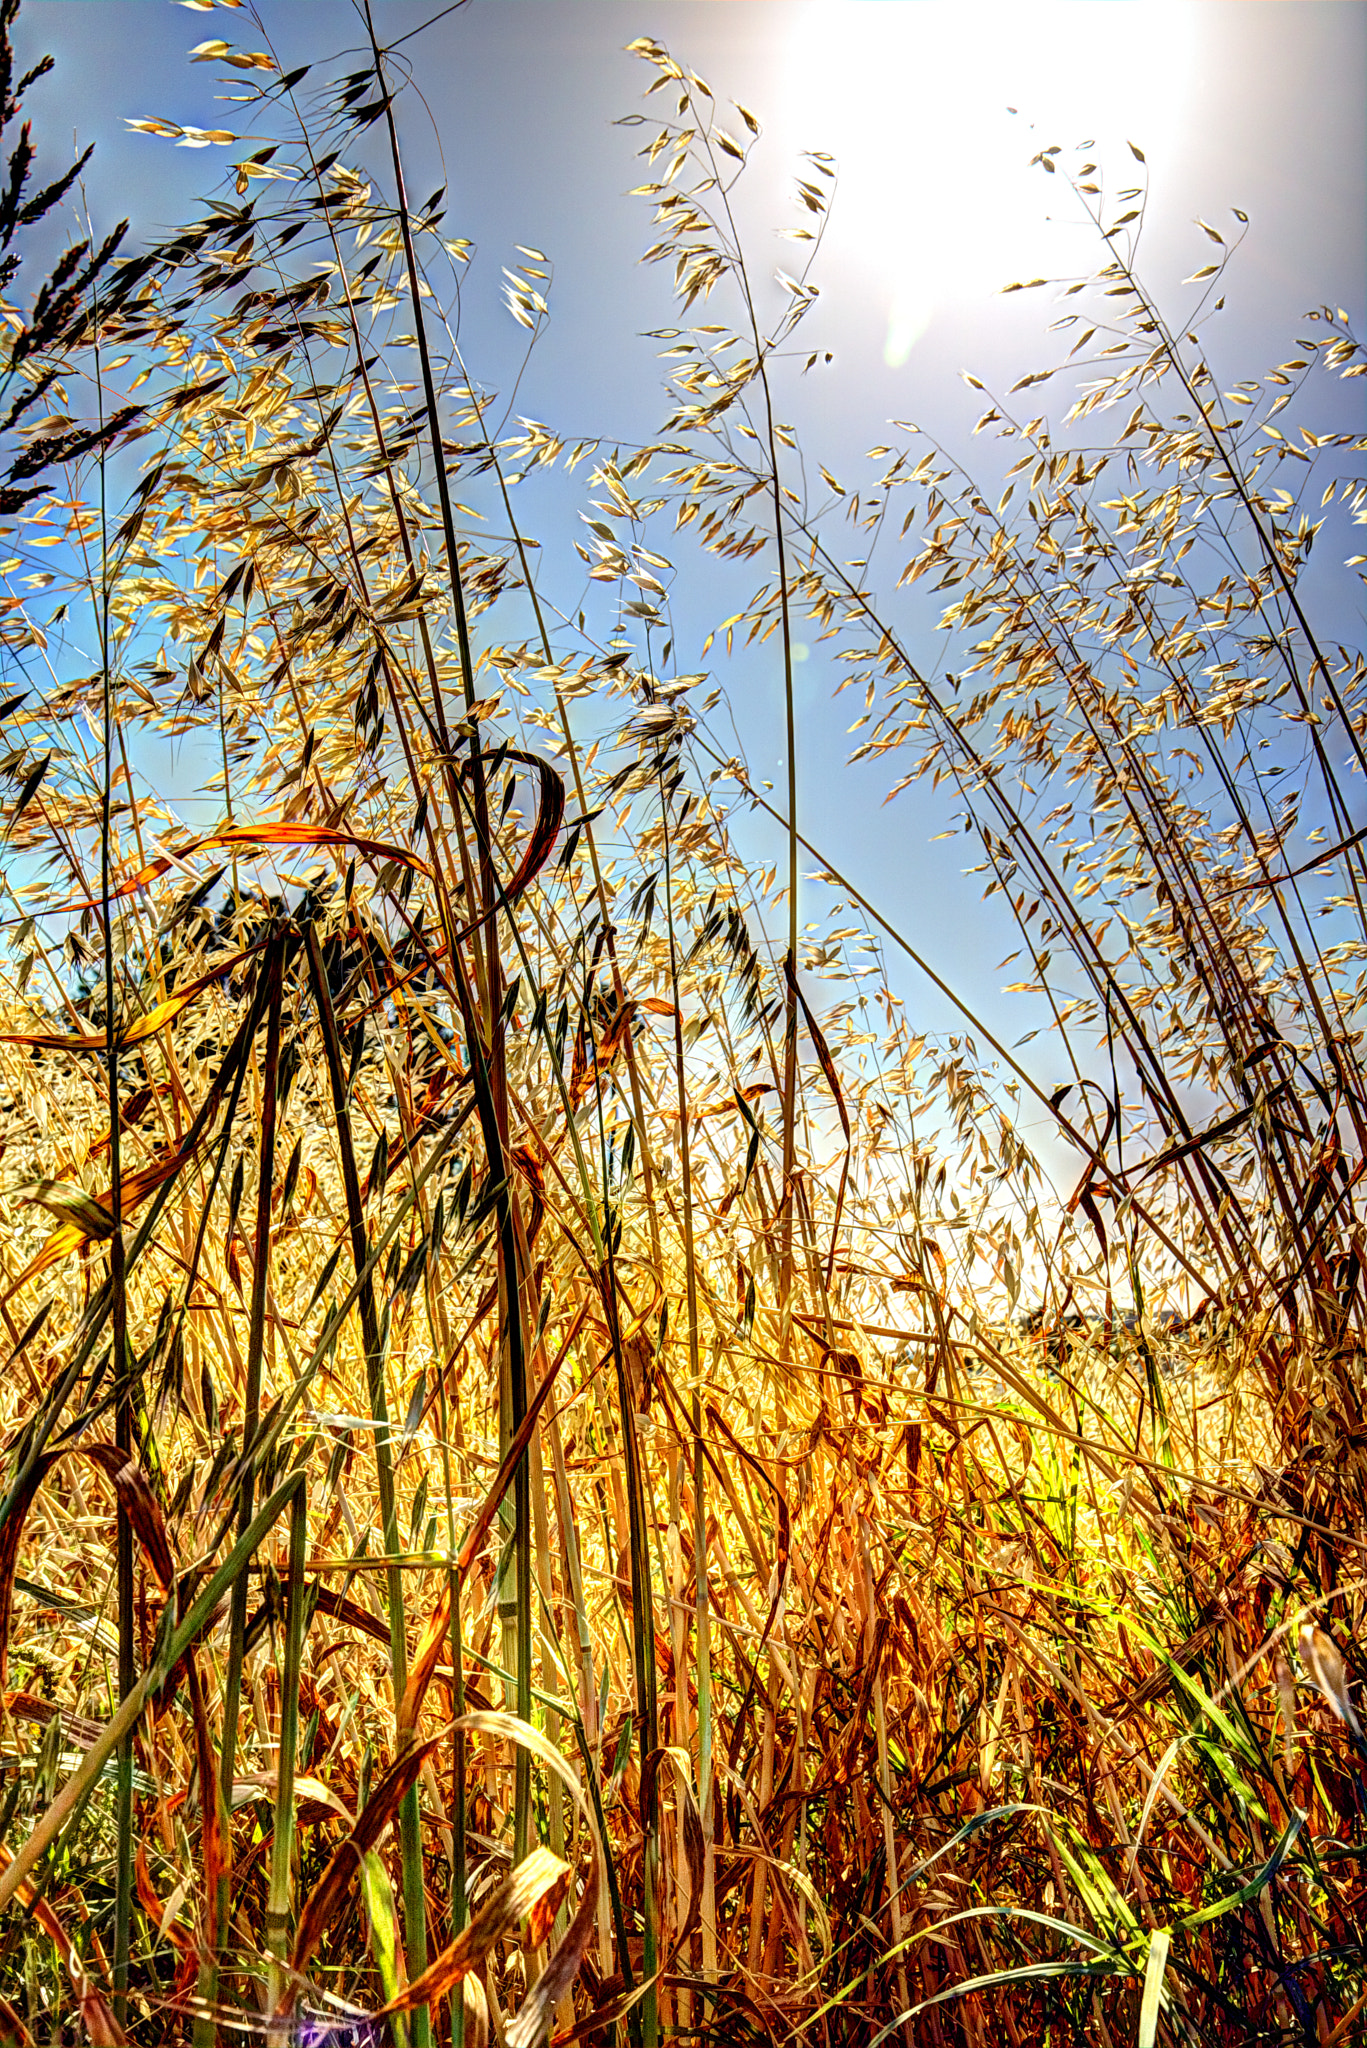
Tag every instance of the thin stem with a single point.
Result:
(251, 1405)
(282, 1845)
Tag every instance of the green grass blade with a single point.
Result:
(1149, 2004)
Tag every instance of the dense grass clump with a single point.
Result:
(560, 1478)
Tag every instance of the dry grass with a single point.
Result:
(508, 1296)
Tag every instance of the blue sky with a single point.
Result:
(1258, 105)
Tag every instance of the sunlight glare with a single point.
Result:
(912, 97)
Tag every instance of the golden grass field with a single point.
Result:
(568, 1473)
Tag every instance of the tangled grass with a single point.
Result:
(533, 1503)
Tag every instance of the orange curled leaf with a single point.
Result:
(211, 1800)
(69, 1202)
(534, 1890)
(141, 1506)
(692, 1828)
(154, 1907)
(533, 2020)
(550, 814)
(282, 835)
(325, 1900)
(142, 1027)
(344, 1610)
(423, 1665)
(143, 879)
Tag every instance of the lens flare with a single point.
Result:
(934, 110)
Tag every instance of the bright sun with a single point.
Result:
(912, 97)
